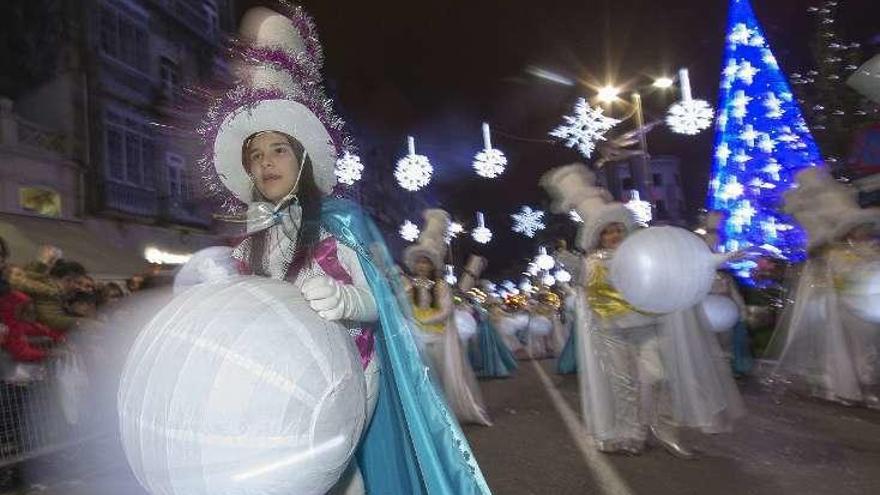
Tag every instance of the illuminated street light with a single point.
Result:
(663, 82)
(608, 94)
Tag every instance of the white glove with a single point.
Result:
(335, 301)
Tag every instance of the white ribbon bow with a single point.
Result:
(262, 215)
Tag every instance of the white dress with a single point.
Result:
(447, 355)
(635, 369)
(819, 343)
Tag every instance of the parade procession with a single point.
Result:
(279, 247)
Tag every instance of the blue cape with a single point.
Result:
(413, 444)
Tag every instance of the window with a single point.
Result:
(123, 39)
(658, 179)
(169, 77)
(178, 181)
(129, 150)
(39, 200)
(677, 180)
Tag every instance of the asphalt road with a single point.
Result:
(786, 444)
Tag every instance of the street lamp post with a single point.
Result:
(645, 170)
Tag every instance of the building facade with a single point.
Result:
(663, 188)
(123, 66)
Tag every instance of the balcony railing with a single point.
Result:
(131, 199)
(16, 131)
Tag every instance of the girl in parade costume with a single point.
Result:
(432, 307)
(819, 342)
(272, 146)
(641, 375)
(490, 358)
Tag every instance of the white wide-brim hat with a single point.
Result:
(435, 252)
(281, 115)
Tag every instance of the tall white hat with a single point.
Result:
(431, 243)
(573, 187)
(279, 88)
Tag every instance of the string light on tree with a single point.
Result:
(481, 233)
(763, 145)
(349, 168)
(409, 231)
(489, 162)
(528, 221)
(688, 116)
(413, 171)
(585, 127)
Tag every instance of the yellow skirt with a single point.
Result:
(422, 314)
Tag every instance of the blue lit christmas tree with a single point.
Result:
(761, 142)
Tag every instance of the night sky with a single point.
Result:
(437, 69)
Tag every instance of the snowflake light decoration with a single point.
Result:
(489, 162)
(450, 277)
(548, 280)
(544, 261)
(409, 231)
(453, 230)
(349, 169)
(688, 116)
(641, 210)
(481, 233)
(575, 216)
(413, 171)
(584, 128)
(528, 221)
(562, 276)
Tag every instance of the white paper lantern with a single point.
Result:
(466, 325)
(663, 269)
(862, 295)
(721, 313)
(540, 326)
(239, 387)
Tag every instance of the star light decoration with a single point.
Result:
(584, 128)
(349, 169)
(481, 233)
(409, 231)
(527, 221)
(489, 162)
(413, 171)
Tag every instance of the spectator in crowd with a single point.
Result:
(50, 290)
(46, 259)
(135, 283)
(82, 304)
(110, 293)
(18, 314)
